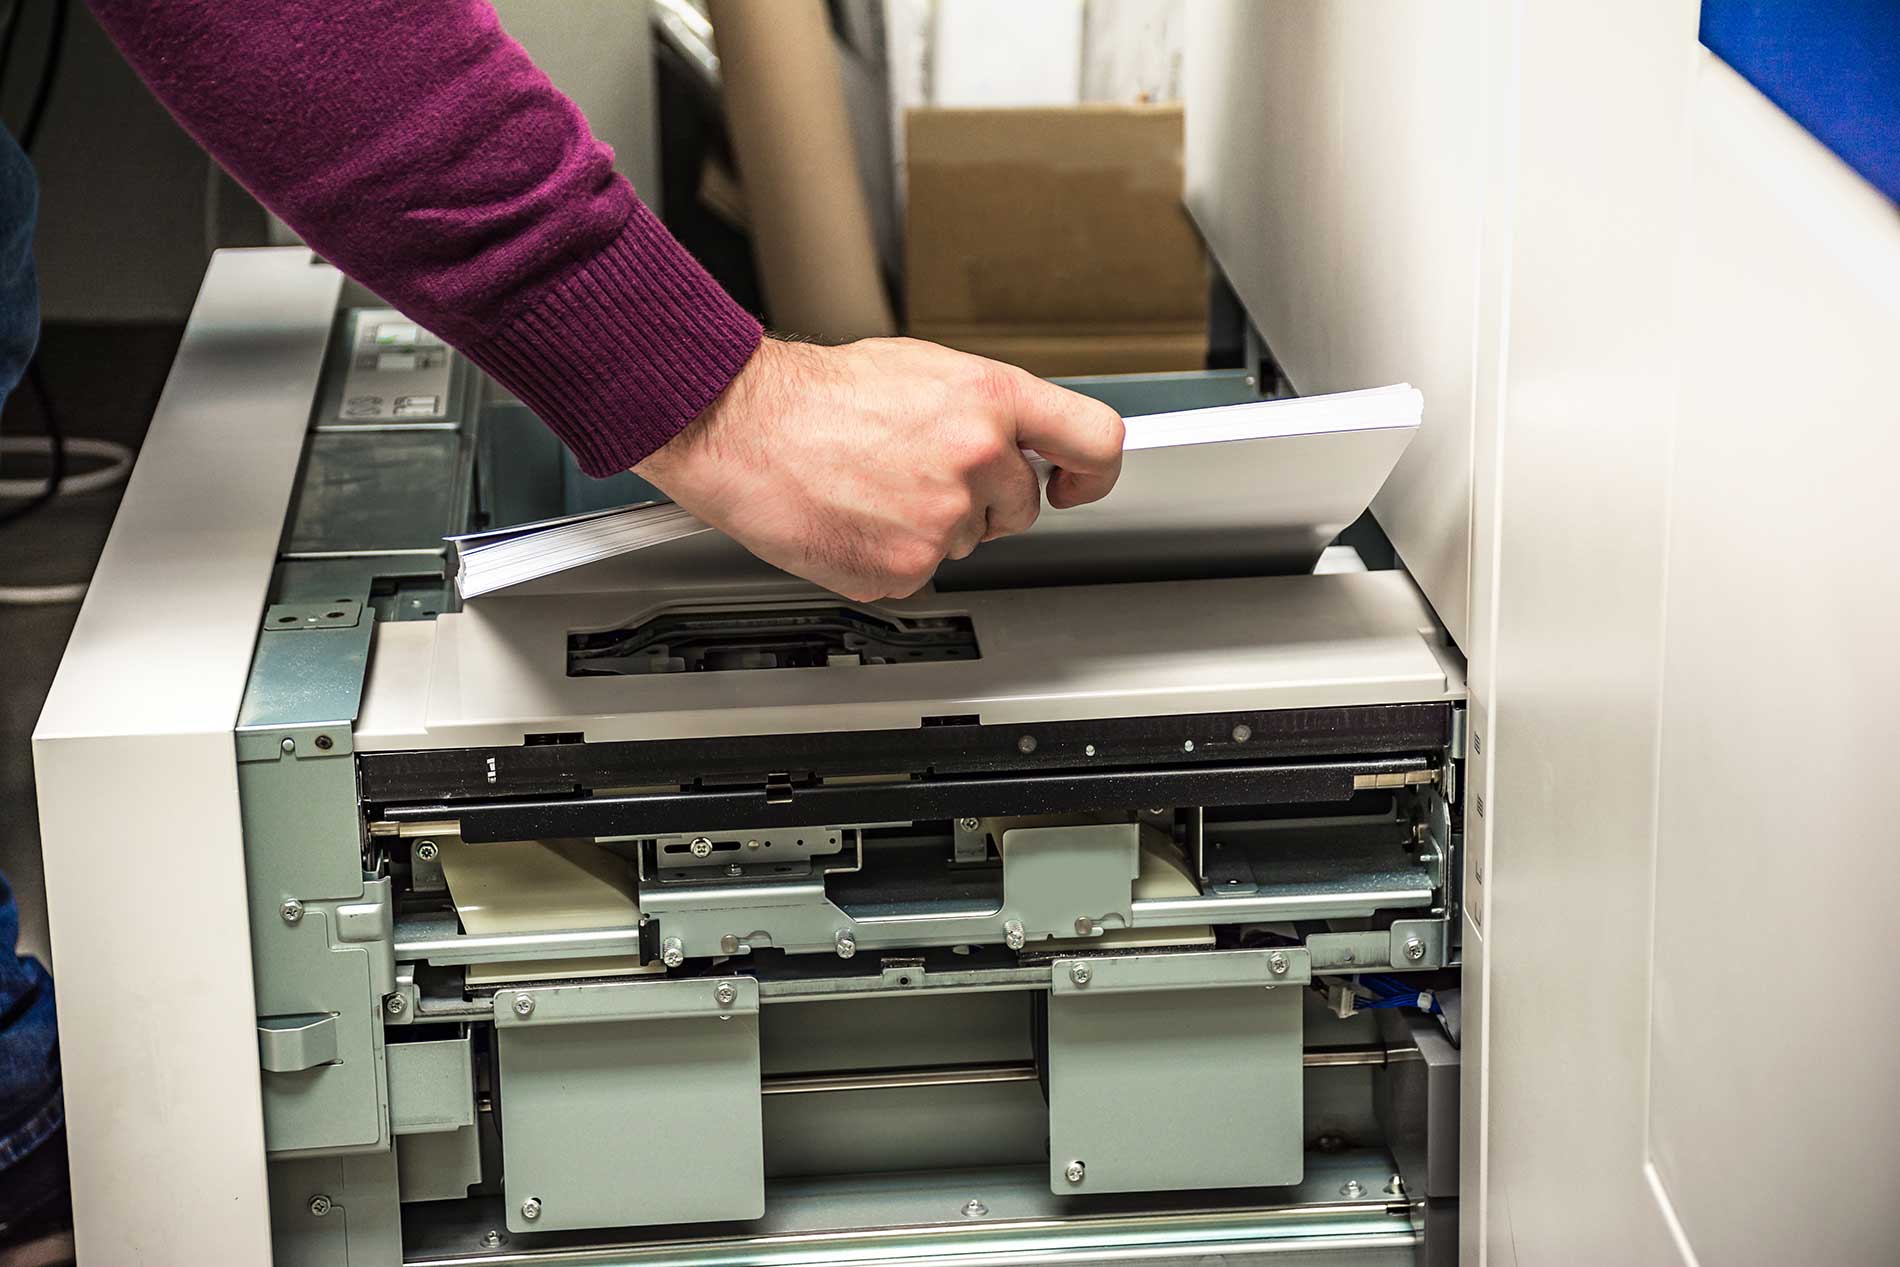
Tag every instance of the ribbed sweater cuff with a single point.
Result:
(625, 350)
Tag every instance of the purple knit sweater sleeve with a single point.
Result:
(413, 144)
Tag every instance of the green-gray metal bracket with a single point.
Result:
(344, 613)
(1408, 944)
(1219, 969)
(627, 1001)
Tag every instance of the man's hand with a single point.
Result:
(865, 466)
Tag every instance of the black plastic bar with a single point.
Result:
(736, 809)
(554, 764)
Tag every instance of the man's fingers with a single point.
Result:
(1079, 436)
(1014, 497)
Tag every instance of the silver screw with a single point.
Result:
(672, 953)
(1187, 745)
(969, 824)
(1243, 733)
(395, 1005)
(1414, 949)
(524, 1005)
(320, 1205)
(491, 1239)
(701, 847)
(725, 994)
(289, 745)
(1084, 926)
(1396, 1188)
(1276, 964)
(974, 1209)
(292, 911)
(728, 945)
(845, 944)
(751, 844)
(1074, 1171)
(1079, 973)
(531, 1209)
(427, 851)
(1013, 934)
(1352, 1188)
(1088, 750)
(1026, 744)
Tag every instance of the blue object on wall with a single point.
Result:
(1833, 65)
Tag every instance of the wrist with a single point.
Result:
(730, 433)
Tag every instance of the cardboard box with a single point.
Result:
(1055, 238)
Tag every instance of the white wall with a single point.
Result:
(1690, 669)
(1663, 316)
(1777, 845)
(1567, 642)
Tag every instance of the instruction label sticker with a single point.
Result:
(398, 372)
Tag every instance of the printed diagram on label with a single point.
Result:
(399, 372)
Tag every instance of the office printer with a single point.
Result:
(716, 918)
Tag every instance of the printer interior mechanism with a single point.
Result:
(703, 917)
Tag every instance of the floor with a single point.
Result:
(103, 381)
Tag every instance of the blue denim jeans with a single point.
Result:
(32, 1114)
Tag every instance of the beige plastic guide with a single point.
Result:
(541, 886)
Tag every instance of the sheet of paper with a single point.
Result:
(541, 886)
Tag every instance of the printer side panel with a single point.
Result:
(138, 794)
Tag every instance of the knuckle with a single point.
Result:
(975, 446)
(948, 513)
(915, 560)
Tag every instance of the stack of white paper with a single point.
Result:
(506, 557)
(1373, 409)
(1286, 476)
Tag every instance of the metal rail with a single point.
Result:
(1022, 1071)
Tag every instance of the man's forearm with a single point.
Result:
(417, 147)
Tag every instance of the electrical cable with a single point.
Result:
(54, 443)
(55, 440)
(118, 459)
(213, 206)
(49, 75)
(8, 33)
(41, 595)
